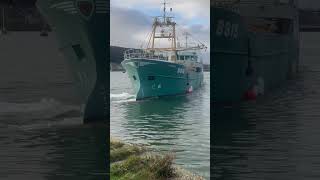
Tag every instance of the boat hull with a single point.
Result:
(82, 40)
(229, 57)
(155, 78)
(247, 63)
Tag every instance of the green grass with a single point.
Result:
(129, 164)
(143, 167)
(133, 162)
(120, 151)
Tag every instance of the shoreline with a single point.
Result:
(133, 161)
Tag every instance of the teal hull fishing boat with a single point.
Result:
(80, 26)
(156, 77)
(255, 47)
(158, 71)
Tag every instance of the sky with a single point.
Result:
(131, 20)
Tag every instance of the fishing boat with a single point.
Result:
(80, 27)
(255, 47)
(156, 71)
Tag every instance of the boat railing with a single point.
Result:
(143, 54)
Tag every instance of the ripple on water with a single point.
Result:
(179, 124)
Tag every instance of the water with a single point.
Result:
(276, 137)
(42, 135)
(178, 124)
(41, 131)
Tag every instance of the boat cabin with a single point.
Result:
(187, 57)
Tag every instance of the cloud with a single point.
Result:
(185, 8)
(131, 20)
(129, 23)
(128, 28)
(191, 9)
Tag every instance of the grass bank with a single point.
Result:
(135, 162)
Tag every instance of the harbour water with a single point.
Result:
(277, 136)
(41, 131)
(42, 135)
(178, 124)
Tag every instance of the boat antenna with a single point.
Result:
(164, 10)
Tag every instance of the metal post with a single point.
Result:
(153, 35)
(174, 42)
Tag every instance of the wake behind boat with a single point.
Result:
(163, 71)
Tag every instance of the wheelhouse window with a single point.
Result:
(188, 58)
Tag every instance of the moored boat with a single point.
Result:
(255, 47)
(80, 26)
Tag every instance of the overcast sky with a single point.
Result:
(131, 20)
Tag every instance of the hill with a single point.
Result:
(116, 54)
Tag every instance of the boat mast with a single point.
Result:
(163, 22)
(186, 33)
(153, 33)
(174, 38)
(166, 22)
(164, 10)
